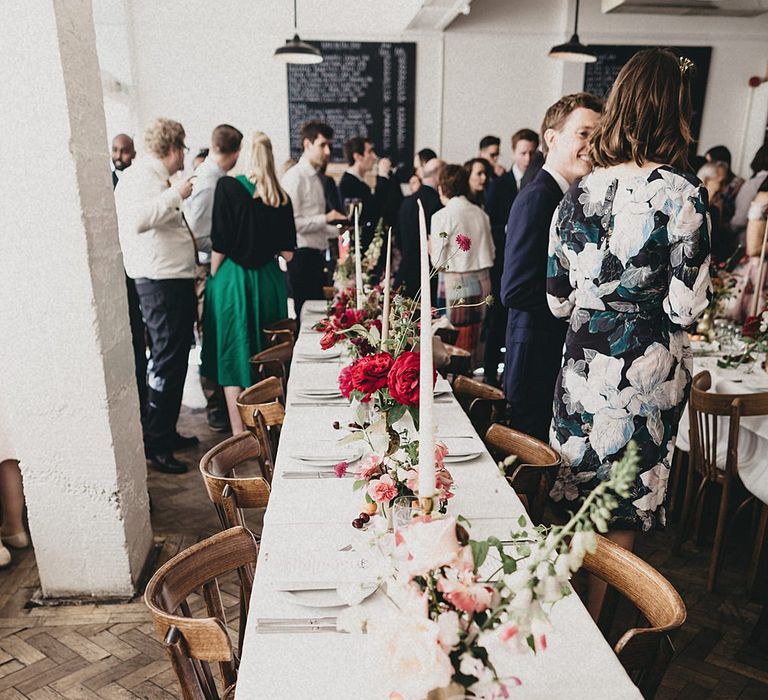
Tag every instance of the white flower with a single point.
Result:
(600, 388)
(612, 429)
(430, 544)
(573, 450)
(405, 655)
(656, 480)
(448, 636)
(683, 305)
(471, 665)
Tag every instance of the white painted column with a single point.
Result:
(67, 396)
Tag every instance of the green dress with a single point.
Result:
(239, 303)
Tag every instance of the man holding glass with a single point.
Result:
(160, 255)
(313, 224)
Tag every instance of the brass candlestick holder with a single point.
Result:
(426, 504)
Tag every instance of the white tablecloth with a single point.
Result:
(753, 434)
(306, 537)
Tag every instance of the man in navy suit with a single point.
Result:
(500, 194)
(534, 337)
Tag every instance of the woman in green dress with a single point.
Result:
(252, 224)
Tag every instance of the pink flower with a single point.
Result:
(440, 452)
(368, 466)
(382, 490)
(341, 469)
(466, 594)
(464, 242)
(508, 631)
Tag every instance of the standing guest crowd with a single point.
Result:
(594, 245)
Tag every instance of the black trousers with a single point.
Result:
(495, 329)
(169, 309)
(139, 342)
(307, 274)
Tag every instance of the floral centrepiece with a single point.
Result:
(463, 610)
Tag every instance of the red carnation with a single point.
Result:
(464, 242)
(751, 327)
(346, 385)
(403, 379)
(369, 373)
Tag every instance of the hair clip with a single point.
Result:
(686, 64)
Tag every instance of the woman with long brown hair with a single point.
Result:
(629, 265)
(252, 223)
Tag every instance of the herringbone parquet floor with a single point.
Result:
(110, 652)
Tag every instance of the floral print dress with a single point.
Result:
(629, 265)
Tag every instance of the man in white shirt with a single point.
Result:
(198, 209)
(159, 254)
(313, 224)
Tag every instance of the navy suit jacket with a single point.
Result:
(534, 336)
(408, 273)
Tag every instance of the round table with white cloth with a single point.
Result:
(753, 433)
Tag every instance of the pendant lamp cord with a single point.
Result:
(575, 24)
(295, 25)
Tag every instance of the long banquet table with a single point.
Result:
(307, 535)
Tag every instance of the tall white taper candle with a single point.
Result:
(426, 391)
(387, 276)
(358, 262)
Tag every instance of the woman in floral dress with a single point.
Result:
(629, 265)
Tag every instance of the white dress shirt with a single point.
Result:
(155, 242)
(557, 177)
(308, 198)
(518, 175)
(461, 216)
(198, 207)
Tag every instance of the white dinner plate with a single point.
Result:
(331, 353)
(349, 454)
(453, 459)
(352, 594)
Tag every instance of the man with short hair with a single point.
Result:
(500, 194)
(361, 158)
(313, 224)
(123, 153)
(534, 336)
(489, 149)
(420, 160)
(198, 209)
(407, 277)
(159, 254)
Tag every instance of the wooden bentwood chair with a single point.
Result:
(194, 643)
(532, 475)
(644, 652)
(484, 404)
(704, 410)
(273, 362)
(229, 487)
(262, 410)
(284, 331)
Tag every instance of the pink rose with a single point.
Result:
(466, 594)
(368, 466)
(431, 544)
(383, 489)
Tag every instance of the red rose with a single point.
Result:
(328, 340)
(369, 373)
(751, 327)
(346, 385)
(403, 379)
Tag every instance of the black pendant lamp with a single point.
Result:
(297, 51)
(573, 50)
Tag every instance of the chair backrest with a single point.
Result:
(704, 409)
(273, 362)
(194, 643)
(277, 336)
(329, 293)
(483, 403)
(645, 652)
(534, 471)
(229, 492)
(266, 398)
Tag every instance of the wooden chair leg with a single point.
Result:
(757, 549)
(701, 498)
(685, 518)
(717, 547)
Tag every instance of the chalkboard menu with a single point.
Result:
(360, 89)
(599, 76)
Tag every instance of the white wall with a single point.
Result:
(205, 63)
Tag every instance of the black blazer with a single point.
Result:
(351, 187)
(408, 274)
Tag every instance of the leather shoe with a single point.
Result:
(218, 422)
(182, 442)
(166, 462)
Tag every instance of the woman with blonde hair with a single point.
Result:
(252, 224)
(629, 267)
